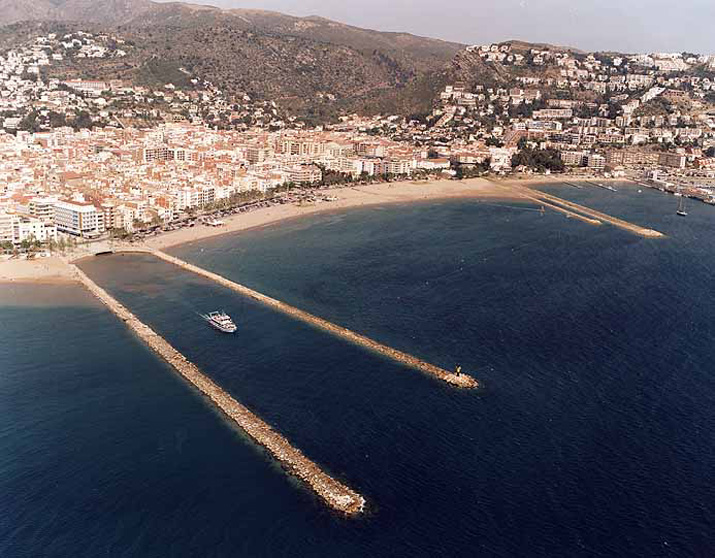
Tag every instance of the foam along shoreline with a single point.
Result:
(335, 494)
(348, 197)
(458, 380)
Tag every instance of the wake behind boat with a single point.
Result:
(220, 321)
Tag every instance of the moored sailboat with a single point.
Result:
(681, 207)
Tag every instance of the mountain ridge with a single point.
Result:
(309, 64)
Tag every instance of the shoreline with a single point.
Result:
(51, 270)
(55, 269)
(350, 197)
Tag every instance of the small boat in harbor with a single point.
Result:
(681, 207)
(220, 321)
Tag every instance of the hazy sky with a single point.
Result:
(625, 25)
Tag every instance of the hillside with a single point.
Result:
(102, 11)
(312, 65)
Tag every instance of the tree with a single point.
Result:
(31, 123)
(539, 159)
(83, 121)
(57, 120)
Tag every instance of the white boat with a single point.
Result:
(220, 321)
(681, 208)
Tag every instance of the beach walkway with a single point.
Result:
(335, 494)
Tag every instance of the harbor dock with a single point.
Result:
(455, 379)
(563, 210)
(596, 215)
(335, 494)
(584, 213)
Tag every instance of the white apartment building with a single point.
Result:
(501, 158)
(185, 198)
(549, 113)
(79, 219)
(165, 153)
(573, 158)
(194, 197)
(18, 228)
(27, 228)
(43, 208)
(6, 227)
(403, 166)
(595, 161)
(346, 165)
(304, 174)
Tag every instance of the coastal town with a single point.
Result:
(83, 160)
(317, 278)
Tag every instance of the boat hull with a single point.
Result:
(223, 329)
(220, 323)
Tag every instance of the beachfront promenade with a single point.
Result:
(457, 380)
(334, 493)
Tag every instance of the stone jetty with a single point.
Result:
(334, 493)
(458, 380)
(597, 215)
(571, 209)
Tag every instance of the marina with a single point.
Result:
(332, 492)
(131, 417)
(590, 215)
(688, 187)
(457, 379)
(570, 214)
(603, 186)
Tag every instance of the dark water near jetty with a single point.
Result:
(593, 435)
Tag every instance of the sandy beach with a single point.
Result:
(54, 269)
(349, 197)
(40, 270)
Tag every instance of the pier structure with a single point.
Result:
(456, 379)
(563, 210)
(335, 494)
(586, 214)
(595, 215)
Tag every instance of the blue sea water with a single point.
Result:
(593, 434)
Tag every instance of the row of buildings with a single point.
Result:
(87, 182)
